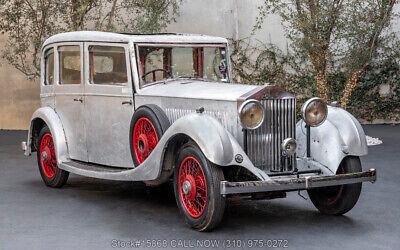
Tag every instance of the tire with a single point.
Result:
(47, 161)
(338, 200)
(204, 188)
(143, 141)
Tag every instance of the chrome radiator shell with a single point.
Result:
(264, 144)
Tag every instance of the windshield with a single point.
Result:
(158, 63)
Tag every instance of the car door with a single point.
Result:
(69, 97)
(109, 104)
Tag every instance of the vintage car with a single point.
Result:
(161, 107)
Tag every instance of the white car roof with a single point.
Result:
(97, 36)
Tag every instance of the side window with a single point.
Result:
(107, 65)
(70, 64)
(49, 67)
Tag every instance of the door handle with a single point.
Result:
(78, 99)
(127, 102)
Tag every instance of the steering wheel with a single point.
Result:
(154, 73)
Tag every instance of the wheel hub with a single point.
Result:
(44, 156)
(143, 144)
(186, 187)
(189, 187)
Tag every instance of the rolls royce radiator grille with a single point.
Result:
(264, 143)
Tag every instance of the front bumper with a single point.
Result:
(296, 183)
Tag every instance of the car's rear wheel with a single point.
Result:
(47, 161)
(197, 189)
(338, 200)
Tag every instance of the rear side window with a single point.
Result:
(70, 64)
(49, 67)
(107, 65)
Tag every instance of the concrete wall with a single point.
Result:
(19, 98)
(227, 18)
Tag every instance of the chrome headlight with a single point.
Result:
(314, 111)
(251, 114)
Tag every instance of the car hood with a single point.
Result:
(198, 90)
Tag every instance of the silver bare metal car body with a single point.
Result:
(339, 136)
(90, 124)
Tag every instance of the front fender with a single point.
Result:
(50, 117)
(339, 136)
(217, 144)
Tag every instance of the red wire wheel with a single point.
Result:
(192, 187)
(48, 156)
(145, 139)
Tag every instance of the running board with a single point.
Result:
(106, 172)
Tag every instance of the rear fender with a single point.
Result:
(51, 119)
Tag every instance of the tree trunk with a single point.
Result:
(319, 64)
(351, 83)
(111, 16)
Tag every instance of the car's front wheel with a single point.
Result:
(197, 189)
(337, 200)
